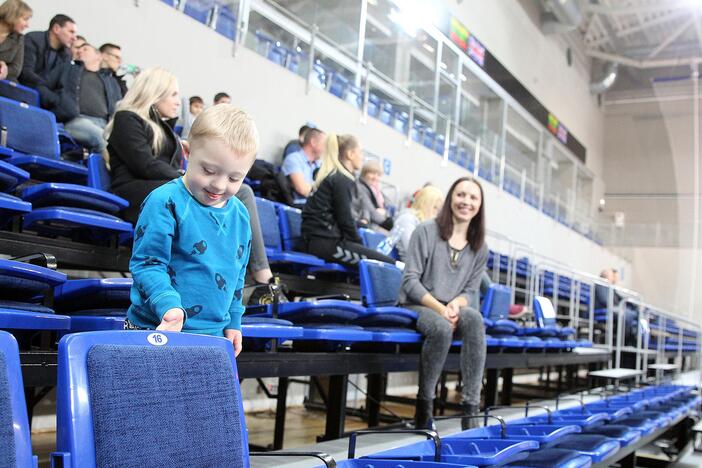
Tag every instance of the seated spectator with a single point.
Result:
(145, 153)
(445, 262)
(195, 106)
(370, 200)
(602, 292)
(46, 50)
(82, 96)
(75, 47)
(112, 60)
(14, 19)
(301, 165)
(296, 144)
(328, 228)
(426, 204)
(221, 98)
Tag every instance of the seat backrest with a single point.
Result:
(290, 222)
(544, 312)
(181, 389)
(269, 223)
(380, 283)
(226, 22)
(17, 92)
(29, 129)
(15, 442)
(98, 175)
(496, 302)
(370, 238)
(199, 10)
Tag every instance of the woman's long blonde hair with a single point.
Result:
(149, 87)
(337, 147)
(424, 200)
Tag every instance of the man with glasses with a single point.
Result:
(112, 59)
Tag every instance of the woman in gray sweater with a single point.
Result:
(444, 263)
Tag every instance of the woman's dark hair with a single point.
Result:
(476, 228)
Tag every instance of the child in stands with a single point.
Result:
(192, 240)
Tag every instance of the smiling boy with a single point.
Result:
(193, 238)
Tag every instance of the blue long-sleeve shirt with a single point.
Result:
(190, 256)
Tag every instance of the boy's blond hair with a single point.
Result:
(229, 124)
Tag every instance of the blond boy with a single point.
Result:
(192, 239)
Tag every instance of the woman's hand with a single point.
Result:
(3, 70)
(450, 313)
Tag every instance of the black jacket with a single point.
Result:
(61, 93)
(131, 155)
(327, 212)
(35, 67)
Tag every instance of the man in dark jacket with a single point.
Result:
(46, 50)
(112, 60)
(83, 96)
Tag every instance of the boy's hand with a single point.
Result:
(172, 320)
(235, 337)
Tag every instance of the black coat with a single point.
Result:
(61, 93)
(35, 66)
(328, 213)
(136, 170)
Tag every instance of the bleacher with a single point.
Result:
(67, 332)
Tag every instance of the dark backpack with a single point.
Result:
(275, 185)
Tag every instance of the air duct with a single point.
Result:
(560, 16)
(607, 80)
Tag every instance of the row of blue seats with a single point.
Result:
(99, 304)
(103, 401)
(573, 437)
(203, 11)
(66, 198)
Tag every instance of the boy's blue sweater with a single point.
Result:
(190, 256)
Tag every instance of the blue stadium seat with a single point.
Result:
(543, 434)
(275, 248)
(373, 105)
(428, 138)
(32, 143)
(360, 463)
(440, 144)
(417, 133)
(325, 311)
(386, 113)
(290, 225)
(19, 93)
(226, 22)
(12, 206)
(94, 296)
(380, 287)
(104, 401)
(354, 96)
(199, 10)
(20, 286)
(73, 196)
(545, 317)
(597, 447)
(371, 238)
(401, 121)
(625, 435)
(553, 458)
(15, 440)
(495, 311)
(338, 85)
(77, 223)
(482, 452)
(320, 75)
(11, 176)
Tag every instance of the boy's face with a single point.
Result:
(215, 172)
(196, 108)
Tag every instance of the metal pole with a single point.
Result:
(366, 93)
(310, 60)
(410, 119)
(447, 135)
(476, 158)
(696, 191)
